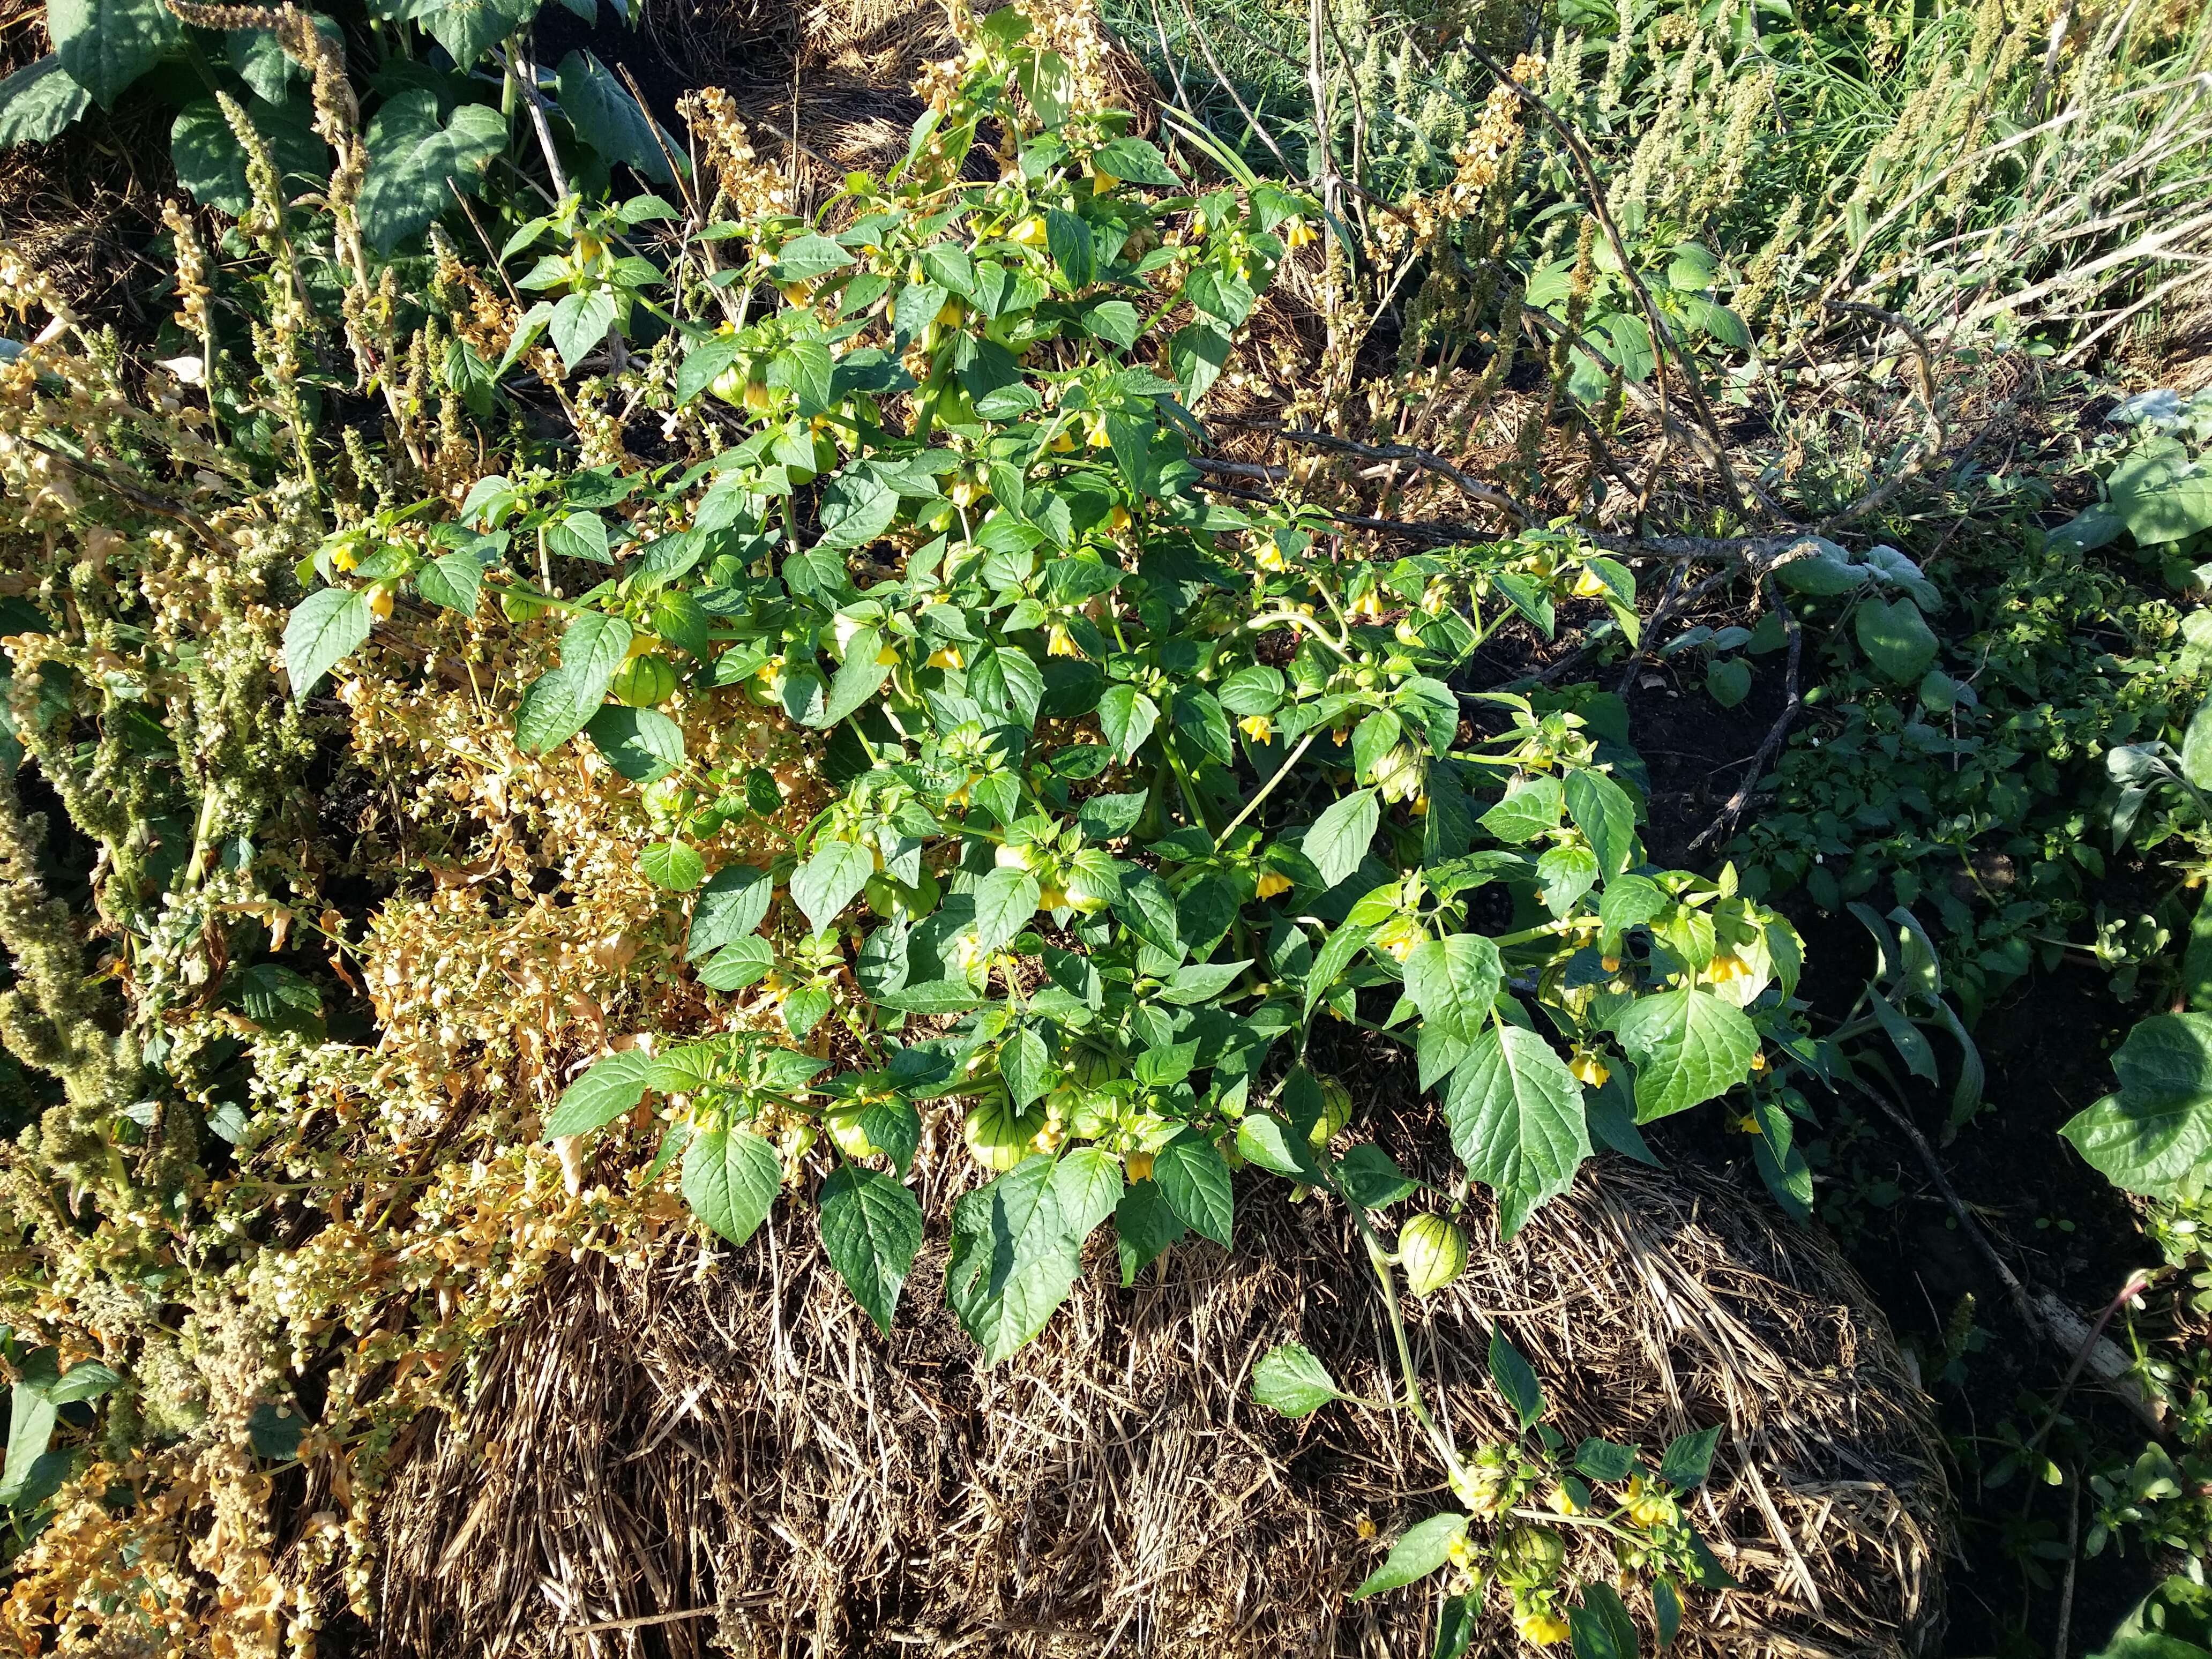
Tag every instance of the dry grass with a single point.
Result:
(723, 1437)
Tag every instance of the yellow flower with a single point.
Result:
(1258, 727)
(1399, 939)
(1364, 1526)
(379, 602)
(343, 558)
(1610, 964)
(1139, 1165)
(1420, 806)
(1269, 556)
(1590, 585)
(1746, 1124)
(1588, 1069)
(1097, 436)
(1271, 884)
(1117, 517)
(642, 643)
(1563, 1501)
(887, 657)
(950, 313)
(1542, 1630)
(1649, 1505)
(1729, 966)
(797, 294)
(1059, 642)
(1101, 180)
(1460, 1551)
(1050, 897)
(1299, 233)
(966, 492)
(946, 656)
(1759, 1060)
(1030, 233)
(1369, 604)
(1062, 442)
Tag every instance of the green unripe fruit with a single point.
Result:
(997, 1137)
(516, 607)
(1092, 1067)
(1433, 1252)
(844, 1126)
(1335, 1113)
(641, 682)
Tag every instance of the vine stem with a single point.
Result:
(1267, 788)
(1379, 1260)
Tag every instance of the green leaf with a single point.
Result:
(859, 677)
(734, 904)
(1516, 1114)
(1126, 718)
(674, 866)
(613, 1085)
(1335, 956)
(86, 1380)
(704, 364)
(1289, 1379)
(326, 627)
(1423, 1548)
(1275, 1148)
(1530, 808)
(211, 162)
(1604, 813)
(452, 581)
(740, 963)
(1689, 1046)
(1896, 638)
(2161, 495)
(2154, 1136)
(804, 259)
(830, 880)
(641, 743)
(1194, 1180)
(608, 119)
(276, 998)
(1564, 874)
(1516, 1379)
(1143, 1226)
(1727, 681)
(30, 1418)
(1454, 982)
(580, 323)
(411, 157)
(2197, 747)
(1666, 1611)
(37, 102)
(1603, 1460)
(1600, 1627)
(466, 28)
(1014, 1258)
(105, 45)
(1341, 834)
(1069, 241)
(1370, 1177)
(1135, 161)
(731, 1177)
(870, 1229)
(1689, 1459)
(1004, 901)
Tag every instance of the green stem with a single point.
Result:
(1267, 788)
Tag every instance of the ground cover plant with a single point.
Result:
(573, 686)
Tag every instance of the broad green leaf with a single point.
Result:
(830, 880)
(1727, 681)
(804, 259)
(1606, 817)
(871, 1229)
(1564, 874)
(641, 743)
(276, 998)
(31, 1418)
(1014, 1258)
(1689, 1458)
(1194, 1180)
(1370, 1177)
(705, 363)
(1143, 1226)
(1896, 638)
(1340, 836)
(1454, 982)
(2160, 494)
(2154, 1136)
(1126, 718)
(1600, 1627)
(1689, 1046)
(452, 581)
(211, 162)
(614, 1085)
(326, 627)
(580, 323)
(1004, 901)
(731, 1177)
(1531, 807)
(1516, 1379)
(2197, 747)
(1604, 1460)
(1516, 1114)
(1289, 1379)
(733, 905)
(86, 1380)
(466, 28)
(1423, 1548)
(1335, 956)
(859, 677)
(412, 155)
(674, 866)
(1275, 1148)
(37, 102)
(607, 118)
(561, 703)
(105, 45)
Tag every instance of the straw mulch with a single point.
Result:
(718, 1453)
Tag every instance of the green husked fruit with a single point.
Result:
(999, 1137)
(641, 682)
(1335, 1113)
(519, 608)
(844, 1126)
(1433, 1252)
